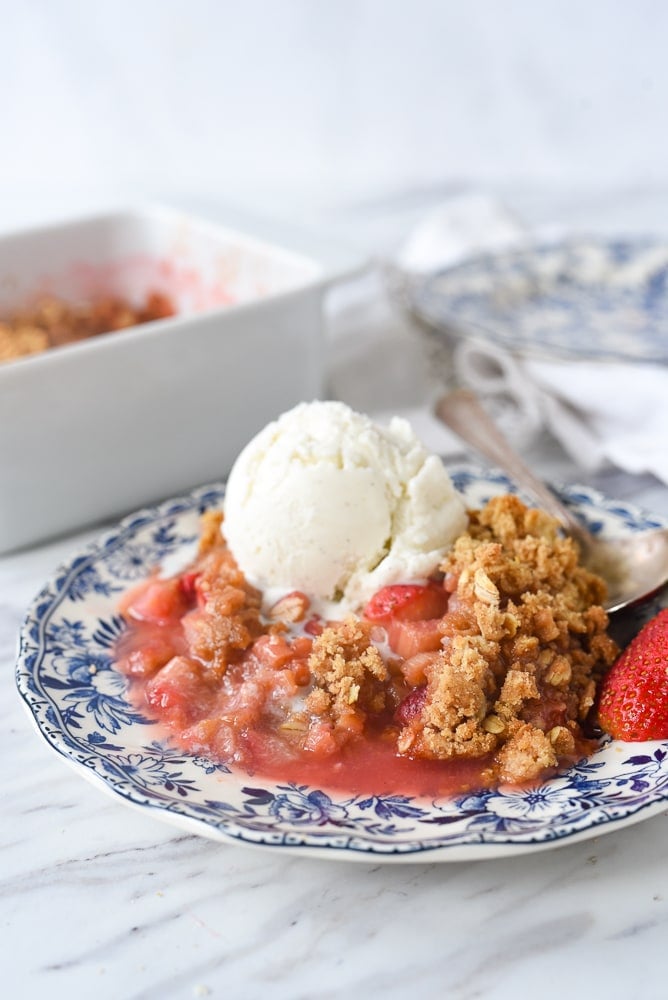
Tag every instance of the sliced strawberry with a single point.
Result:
(407, 602)
(408, 638)
(633, 698)
(411, 706)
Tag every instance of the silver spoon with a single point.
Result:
(633, 567)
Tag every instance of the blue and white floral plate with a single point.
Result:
(581, 298)
(79, 703)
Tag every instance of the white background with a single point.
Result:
(292, 106)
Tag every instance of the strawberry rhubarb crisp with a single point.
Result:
(483, 673)
(350, 624)
(51, 322)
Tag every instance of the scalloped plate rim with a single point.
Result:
(445, 319)
(424, 854)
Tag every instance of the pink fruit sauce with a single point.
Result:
(239, 716)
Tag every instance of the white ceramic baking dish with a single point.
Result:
(99, 427)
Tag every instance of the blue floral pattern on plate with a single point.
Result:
(79, 702)
(596, 298)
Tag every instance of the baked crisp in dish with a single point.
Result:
(51, 322)
(484, 673)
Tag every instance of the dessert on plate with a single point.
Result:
(346, 621)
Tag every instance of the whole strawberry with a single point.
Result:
(633, 700)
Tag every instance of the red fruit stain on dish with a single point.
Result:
(633, 700)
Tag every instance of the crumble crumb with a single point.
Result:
(520, 672)
(348, 672)
(232, 620)
(21, 340)
(527, 754)
(210, 530)
(460, 682)
(52, 322)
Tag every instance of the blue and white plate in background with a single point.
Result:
(79, 703)
(581, 298)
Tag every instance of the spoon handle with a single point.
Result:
(462, 412)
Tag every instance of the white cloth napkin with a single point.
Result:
(599, 411)
(607, 411)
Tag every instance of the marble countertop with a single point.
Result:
(98, 899)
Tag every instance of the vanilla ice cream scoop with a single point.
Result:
(325, 501)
